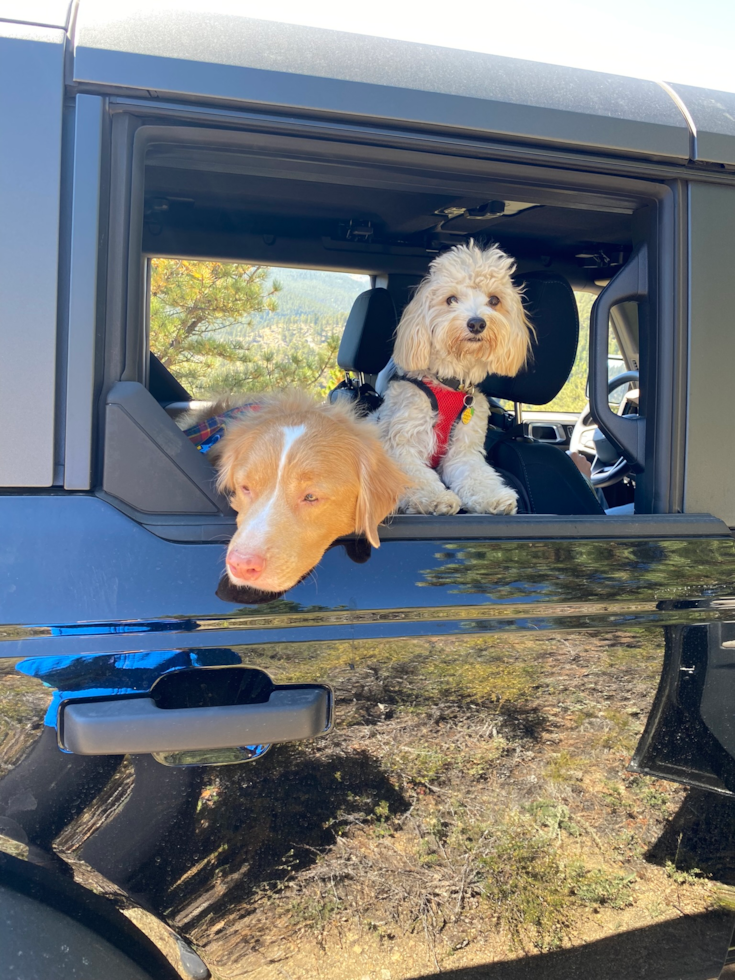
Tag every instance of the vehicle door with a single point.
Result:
(437, 747)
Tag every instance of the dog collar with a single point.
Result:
(208, 433)
(454, 383)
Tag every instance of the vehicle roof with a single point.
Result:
(189, 49)
(40, 13)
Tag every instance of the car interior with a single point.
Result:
(285, 203)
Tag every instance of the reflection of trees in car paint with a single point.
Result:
(507, 745)
(582, 571)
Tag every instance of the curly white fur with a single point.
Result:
(434, 340)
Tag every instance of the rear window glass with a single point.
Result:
(573, 396)
(226, 327)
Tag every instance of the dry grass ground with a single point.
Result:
(435, 831)
(470, 816)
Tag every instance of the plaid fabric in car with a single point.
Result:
(208, 433)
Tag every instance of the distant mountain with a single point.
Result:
(310, 293)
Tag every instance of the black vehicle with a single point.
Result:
(496, 746)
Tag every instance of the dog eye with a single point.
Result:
(494, 300)
(310, 498)
(451, 299)
(245, 489)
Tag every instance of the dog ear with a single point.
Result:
(513, 352)
(233, 446)
(412, 350)
(382, 484)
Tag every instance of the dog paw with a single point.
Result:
(442, 502)
(501, 501)
(446, 503)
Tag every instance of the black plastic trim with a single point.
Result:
(460, 527)
(535, 526)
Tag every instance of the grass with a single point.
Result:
(415, 766)
(425, 765)
(564, 767)
(313, 911)
(473, 801)
(525, 884)
(612, 796)
(682, 876)
(510, 869)
(724, 899)
(553, 817)
(476, 670)
(619, 734)
(597, 887)
(651, 793)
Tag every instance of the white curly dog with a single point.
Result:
(465, 321)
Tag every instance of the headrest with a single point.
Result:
(552, 309)
(367, 342)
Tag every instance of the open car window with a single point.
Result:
(244, 283)
(232, 328)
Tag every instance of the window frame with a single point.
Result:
(659, 221)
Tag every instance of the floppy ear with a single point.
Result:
(512, 354)
(382, 484)
(231, 448)
(412, 350)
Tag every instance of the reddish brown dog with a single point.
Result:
(300, 474)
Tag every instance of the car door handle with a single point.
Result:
(138, 725)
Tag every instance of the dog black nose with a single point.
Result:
(475, 324)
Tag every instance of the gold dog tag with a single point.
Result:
(467, 414)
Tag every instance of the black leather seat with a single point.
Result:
(366, 347)
(546, 479)
(552, 483)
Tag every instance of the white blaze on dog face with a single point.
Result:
(298, 480)
(466, 319)
(262, 513)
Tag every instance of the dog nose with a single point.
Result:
(246, 568)
(475, 324)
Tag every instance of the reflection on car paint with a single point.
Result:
(475, 798)
(501, 584)
(454, 758)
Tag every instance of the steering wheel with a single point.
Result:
(607, 467)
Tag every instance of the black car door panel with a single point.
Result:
(495, 704)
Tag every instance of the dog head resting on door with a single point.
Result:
(300, 474)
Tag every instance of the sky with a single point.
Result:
(687, 41)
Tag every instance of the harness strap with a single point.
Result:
(448, 405)
(422, 387)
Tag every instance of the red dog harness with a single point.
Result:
(450, 405)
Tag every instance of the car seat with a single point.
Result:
(552, 482)
(366, 347)
(546, 479)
